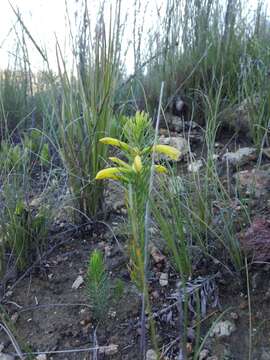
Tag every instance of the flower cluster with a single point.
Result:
(123, 170)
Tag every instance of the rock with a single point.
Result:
(255, 181)
(176, 123)
(109, 350)
(223, 329)
(240, 157)
(151, 355)
(6, 357)
(41, 357)
(256, 242)
(204, 354)
(163, 279)
(176, 141)
(171, 122)
(78, 282)
(195, 166)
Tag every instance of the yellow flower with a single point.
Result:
(119, 162)
(161, 169)
(137, 164)
(170, 151)
(109, 173)
(115, 142)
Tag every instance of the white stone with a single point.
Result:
(151, 355)
(41, 357)
(223, 329)
(163, 279)
(78, 282)
(195, 166)
(109, 350)
(240, 157)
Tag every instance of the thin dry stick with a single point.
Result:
(146, 236)
(101, 349)
(4, 327)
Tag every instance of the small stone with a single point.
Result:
(204, 354)
(78, 282)
(151, 355)
(109, 350)
(240, 157)
(195, 166)
(112, 314)
(41, 357)
(163, 279)
(223, 329)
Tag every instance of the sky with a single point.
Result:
(46, 19)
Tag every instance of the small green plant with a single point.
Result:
(10, 156)
(97, 285)
(23, 232)
(24, 225)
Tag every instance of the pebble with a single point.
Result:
(109, 350)
(241, 156)
(78, 282)
(223, 329)
(195, 166)
(163, 279)
(151, 355)
(41, 357)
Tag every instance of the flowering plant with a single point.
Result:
(134, 175)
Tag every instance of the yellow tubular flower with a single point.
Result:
(115, 142)
(137, 164)
(170, 151)
(119, 162)
(109, 173)
(161, 169)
